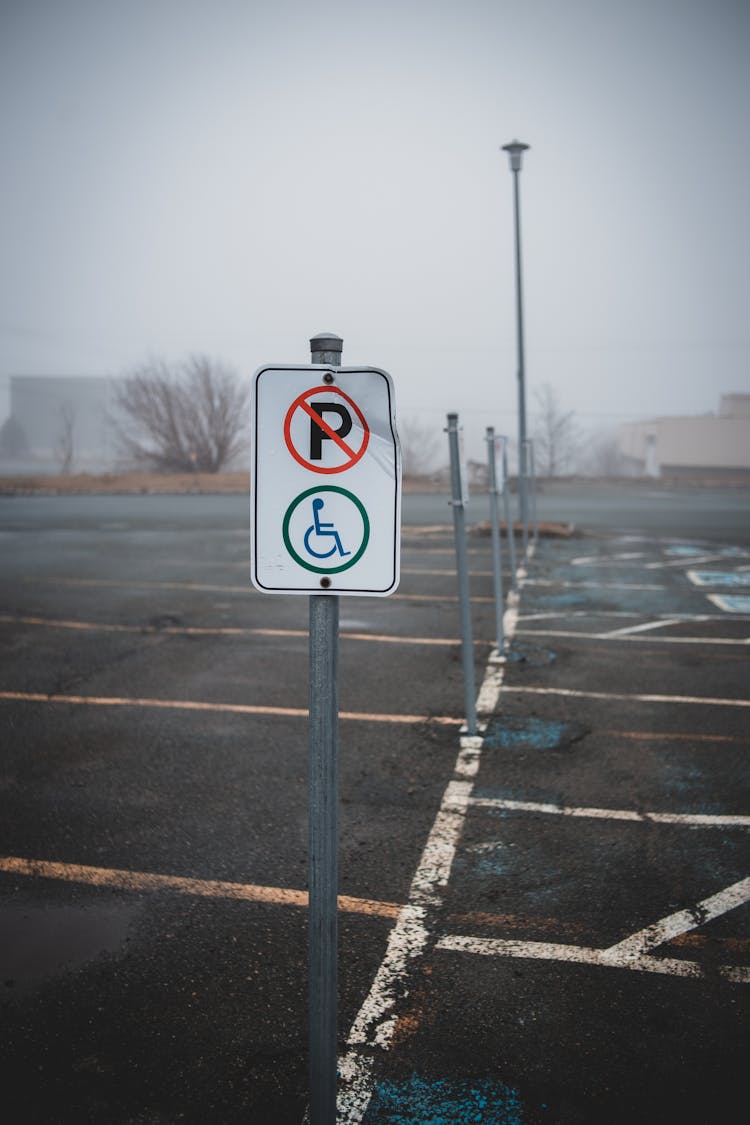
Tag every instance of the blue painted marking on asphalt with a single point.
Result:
(444, 1101)
(684, 549)
(734, 603)
(554, 600)
(720, 577)
(521, 652)
(530, 733)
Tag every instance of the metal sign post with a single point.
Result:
(497, 564)
(325, 520)
(323, 862)
(532, 473)
(509, 520)
(458, 494)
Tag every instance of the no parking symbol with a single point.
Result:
(325, 430)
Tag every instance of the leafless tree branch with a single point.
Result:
(189, 417)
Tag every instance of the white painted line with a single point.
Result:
(731, 603)
(691, 561)
(700, 820)
(632, 953)
(596, 585)
(547, 951)
(551, 614)
(635, 698)
(375, 1022)
(610, 560)
(718, 578)
(618, 635)
(644, 628)
(682, 922)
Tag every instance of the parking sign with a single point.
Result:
(325, 481)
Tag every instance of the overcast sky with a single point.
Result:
(232, 177)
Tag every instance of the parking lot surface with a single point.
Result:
(547, 922)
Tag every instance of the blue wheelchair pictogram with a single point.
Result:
(326, 529)
(323, 530)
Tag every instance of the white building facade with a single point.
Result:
(697, 447)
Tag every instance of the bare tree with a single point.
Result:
(557, 437)
(419, 447)
(188, 417)
(65, 442)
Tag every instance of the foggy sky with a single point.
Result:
(234, 177)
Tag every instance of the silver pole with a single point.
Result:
(509, 520)
(462, 570)
(496, 552)
(515, 152)
(532, 475)
(323, 827)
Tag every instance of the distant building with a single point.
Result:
(696, 447)
(49, 414)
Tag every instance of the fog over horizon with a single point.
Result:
(231, 179)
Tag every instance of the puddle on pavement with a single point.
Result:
(38, 942)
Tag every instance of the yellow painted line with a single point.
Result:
(203, 888)
(219, 631)
(225, 708)
(677, 736)
(211, 588)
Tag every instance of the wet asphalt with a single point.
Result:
(153, 818)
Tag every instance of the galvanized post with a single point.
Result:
(462, 570)
(509, 520)
(532, 475)
(495, 529)
(323, 827)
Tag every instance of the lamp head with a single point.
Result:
(515, 151)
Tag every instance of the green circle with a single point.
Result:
(325, 569)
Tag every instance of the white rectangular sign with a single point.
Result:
(325, 481)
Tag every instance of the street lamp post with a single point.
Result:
(515, 151)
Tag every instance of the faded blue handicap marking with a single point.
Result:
(680, 550)
(732, 603)
(531, 733)
(555, 601)
(443, 1101)
(718, 578)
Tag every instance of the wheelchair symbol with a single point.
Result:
(323, 530)
(326, 545)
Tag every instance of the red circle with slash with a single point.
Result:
(326, 431)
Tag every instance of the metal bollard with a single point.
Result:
(462, 570)
(497, 566)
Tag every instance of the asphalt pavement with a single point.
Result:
(546, 922)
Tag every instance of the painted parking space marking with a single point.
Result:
(621, 696)
(633, 952)
(620, 614)
(584, 584)
(719, 578)
(206, 587)
(731, 603)
(639, 638)
(202, 888)
(220, 631)
(375, 1023)
(703, 820)
(223, 708)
